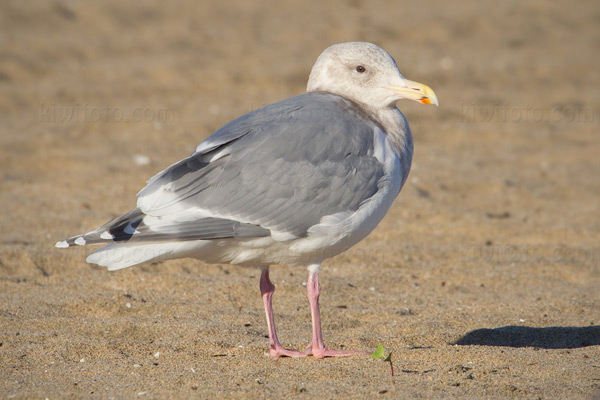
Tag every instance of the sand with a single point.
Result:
(483, 279)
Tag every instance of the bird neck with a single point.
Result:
(396, 126)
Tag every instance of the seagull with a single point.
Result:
(295, 182)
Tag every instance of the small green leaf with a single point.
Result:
(379, 352)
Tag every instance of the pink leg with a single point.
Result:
(317, 347)
(266, 290)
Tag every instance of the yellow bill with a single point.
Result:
(416, 91)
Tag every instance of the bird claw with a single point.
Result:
(325, 352)
(277, 352)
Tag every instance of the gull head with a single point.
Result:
(366, 74)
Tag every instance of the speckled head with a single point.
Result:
(366, 74)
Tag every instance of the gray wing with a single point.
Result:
(281, 168)
(276, 171)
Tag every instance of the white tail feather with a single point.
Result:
(122, 255)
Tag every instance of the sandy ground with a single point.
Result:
(483, 278)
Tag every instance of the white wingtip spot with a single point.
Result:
(80, 241)
(62, 244)
(106, 235)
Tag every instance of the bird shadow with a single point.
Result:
(554, 337)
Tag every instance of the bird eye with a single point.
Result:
(360, 69)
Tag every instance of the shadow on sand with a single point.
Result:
(554, 337)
